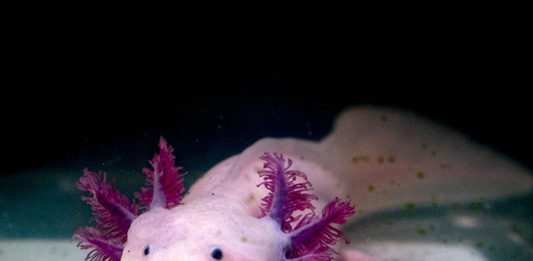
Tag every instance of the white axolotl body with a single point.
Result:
(374, 158)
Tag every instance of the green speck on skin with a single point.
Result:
(476, 206)
(355, 159)
(479, 244)
(420, 175)
(251, 198)
(421, 231)
(454, 206)
(410, 207)
(371, 188)
(244, 239)
(391, 159)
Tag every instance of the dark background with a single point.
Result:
(75, 93)
(85, 92)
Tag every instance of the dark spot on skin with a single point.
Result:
(360, 158)
(381, 159)
(391, 159)
(421, 231)
(410, 207)
(216, 254)
(212, 193)
(476, 206)
(420, 175)
(383, 117)
(147, 250)
(250, 198)
(446, 166)
(370, 188)
(455, 206)
(424, 146)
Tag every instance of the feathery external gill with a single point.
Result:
(164, 183)
(113, 212)
(286, 194)
(312, 237)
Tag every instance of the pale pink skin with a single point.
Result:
(373, 158)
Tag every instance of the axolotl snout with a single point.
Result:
(286, 199)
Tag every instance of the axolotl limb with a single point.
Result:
(284, 199)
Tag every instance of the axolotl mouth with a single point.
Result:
(210, 228)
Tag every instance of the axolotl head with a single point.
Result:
(209, 228)
(198, 232)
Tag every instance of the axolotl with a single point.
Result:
(287, 199)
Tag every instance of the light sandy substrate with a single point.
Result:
(57, 250)
(420, 251)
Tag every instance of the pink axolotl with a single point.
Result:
(285, 199)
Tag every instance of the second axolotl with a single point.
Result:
(286, 199)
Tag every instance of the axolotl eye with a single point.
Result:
(216, 254)
(147, 250)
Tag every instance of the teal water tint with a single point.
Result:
(500, 230)
(46, 204)
(41, 204)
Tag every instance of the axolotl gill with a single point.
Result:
(287, 199)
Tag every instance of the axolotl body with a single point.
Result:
(285, 199)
